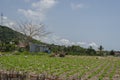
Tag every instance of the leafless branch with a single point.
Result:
(31, 30)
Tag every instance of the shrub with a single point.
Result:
(53, 55)
(59, 54)
(112, 52)
(16, 53)
(25, 53)
(21, 49)
(62, 55)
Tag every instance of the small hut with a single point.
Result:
(38, 48)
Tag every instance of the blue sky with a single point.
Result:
(81, 22)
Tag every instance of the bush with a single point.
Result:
(25, 53)
(21, 49)
(61, 55)
(112, 52)
(53, 55)
(16, 53)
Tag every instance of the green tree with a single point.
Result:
(90, 51)
(101, 50)
(112, 52)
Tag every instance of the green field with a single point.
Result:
(77, 67)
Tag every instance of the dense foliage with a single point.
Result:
(8, 38)
(8, 35)
(76, 50)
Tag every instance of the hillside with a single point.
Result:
(7, 34)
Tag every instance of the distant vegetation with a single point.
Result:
(77, 50)
(10, 39)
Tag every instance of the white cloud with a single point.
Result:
(33, 15)
(44, 4)
(11, 23)
(77, 6)
(4, 17)
(81, 43)
(65, 42)
(39, 9)
(62, 41)
(52, 39)
(93, 44)
(56, 40)
(8, 22)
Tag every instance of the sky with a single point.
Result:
(72, 22)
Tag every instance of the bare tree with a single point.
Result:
(30, 31)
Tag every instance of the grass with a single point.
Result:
(68, 66)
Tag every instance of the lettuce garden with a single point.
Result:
(67, 68)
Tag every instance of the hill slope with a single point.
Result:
(7, 34)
